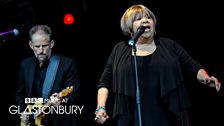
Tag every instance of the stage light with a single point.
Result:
(69, 19)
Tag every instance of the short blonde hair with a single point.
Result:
(133, 13)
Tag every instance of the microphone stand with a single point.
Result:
(132, 42)
(138, 102)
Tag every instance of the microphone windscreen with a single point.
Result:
(16, 32)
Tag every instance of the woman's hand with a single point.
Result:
(211, 81)
(101, 115)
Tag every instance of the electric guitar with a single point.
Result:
(37, 110)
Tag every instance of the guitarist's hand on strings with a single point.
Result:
(25, 117)
(55, 99)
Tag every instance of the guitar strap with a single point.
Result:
(50, 76)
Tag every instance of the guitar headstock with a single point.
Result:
(66, 91)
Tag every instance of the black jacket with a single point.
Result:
(173, 61)
(66, 76)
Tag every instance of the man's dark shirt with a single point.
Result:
(40, 74)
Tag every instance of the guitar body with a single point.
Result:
(39, 115)
(39, 119)
(24, 124)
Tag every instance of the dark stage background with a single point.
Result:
(195, 26)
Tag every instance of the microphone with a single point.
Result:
(139, 32)
(13, 32)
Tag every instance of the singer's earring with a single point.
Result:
(132, 34)
(154, 33)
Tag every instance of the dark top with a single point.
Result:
(165, 68)
(153, 113)
(40, 74)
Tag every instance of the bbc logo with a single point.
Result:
(34, 100)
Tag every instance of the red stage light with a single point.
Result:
(69, 19)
